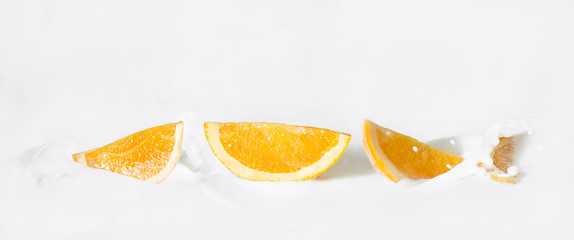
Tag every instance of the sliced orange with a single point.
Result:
(273, 151)
(503, 154)
(148, 155)
(398, 156)
(502, 158)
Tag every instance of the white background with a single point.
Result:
(78, 74)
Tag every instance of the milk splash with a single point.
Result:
(474, 148)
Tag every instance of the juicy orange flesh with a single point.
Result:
(416, 160)
(140, 155)
(503, 154)
(276, 148)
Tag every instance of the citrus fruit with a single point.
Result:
(502, 159)
(398, 156)
(148, 155)
(503, 154)
(273, 151)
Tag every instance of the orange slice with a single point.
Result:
(148, 155)
(275, 152)
(502, 158)
(398, 156)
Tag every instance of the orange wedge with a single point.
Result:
(148, 155)
(275, 152)
(502, 158)
(398, 156)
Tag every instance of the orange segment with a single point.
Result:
(398, 156)
(503, 154)
(502, 158)
(147, 155)
(273, 151)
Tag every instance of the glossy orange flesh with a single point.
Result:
(274, 147)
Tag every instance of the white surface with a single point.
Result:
(78, 74)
